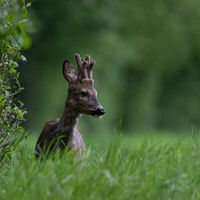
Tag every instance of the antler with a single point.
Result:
(85, 67)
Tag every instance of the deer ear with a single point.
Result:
(69, 71)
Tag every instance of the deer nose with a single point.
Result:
(100, 111)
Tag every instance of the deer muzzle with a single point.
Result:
(98, 112)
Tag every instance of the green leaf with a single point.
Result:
(24, 11)
(12, 70)
(23, 2)
(27, 41)
(21, 129)
(28, 4)
(2, 97)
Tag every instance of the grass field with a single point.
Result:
(151, 166)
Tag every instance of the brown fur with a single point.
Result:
(81, 99)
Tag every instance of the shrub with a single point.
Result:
(13, 38)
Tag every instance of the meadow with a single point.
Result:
(147, 75)
(147, 166)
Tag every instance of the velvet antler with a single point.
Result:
(85, 67)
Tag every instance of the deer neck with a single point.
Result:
(69, 119)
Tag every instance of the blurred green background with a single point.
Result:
(147, 57)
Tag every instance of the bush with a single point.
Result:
(13, 38)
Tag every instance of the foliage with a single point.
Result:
(159, 168)
(147, 61)
(12, 39)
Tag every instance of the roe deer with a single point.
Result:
(81, 99)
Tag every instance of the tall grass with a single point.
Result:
(157, 168)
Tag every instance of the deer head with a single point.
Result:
(82, 96)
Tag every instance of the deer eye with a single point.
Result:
(84, 94)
